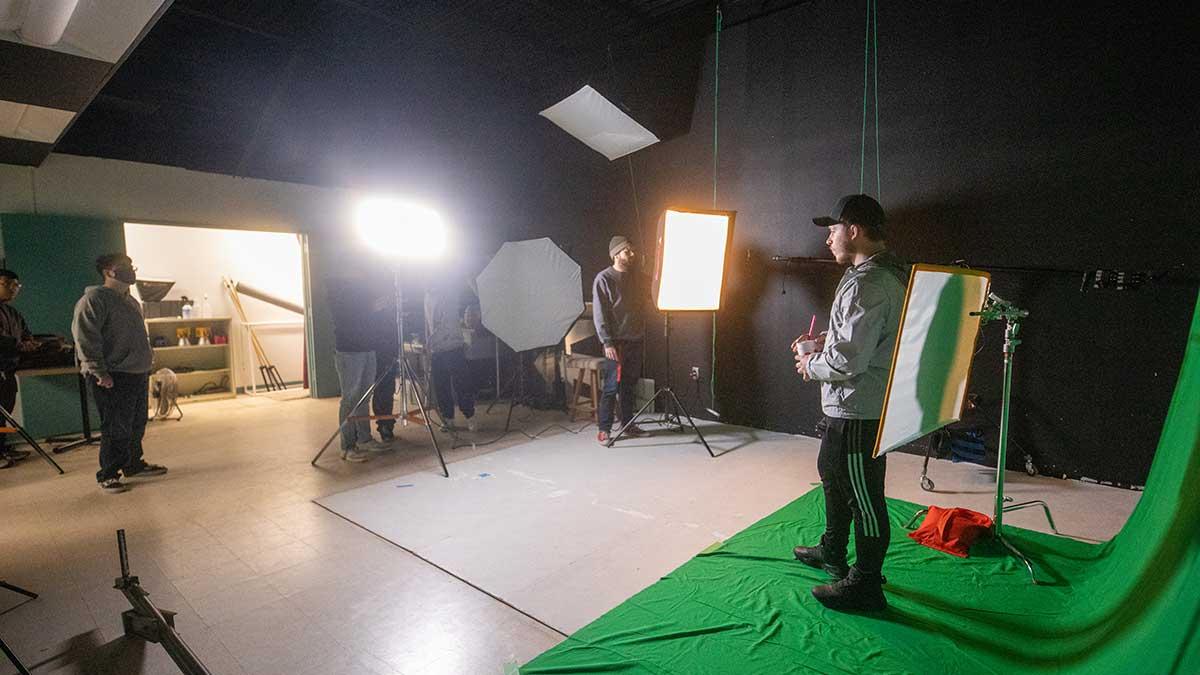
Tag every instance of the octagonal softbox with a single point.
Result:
(530, 294)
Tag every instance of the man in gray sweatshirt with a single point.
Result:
(114, 355)
(620, 297)
(852, 362)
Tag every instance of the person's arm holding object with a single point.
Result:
(853, 337)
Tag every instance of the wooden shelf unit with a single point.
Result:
(205, 364)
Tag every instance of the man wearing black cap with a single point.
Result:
(619, 297)
(852, 366)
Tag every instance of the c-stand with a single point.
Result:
(673, 406)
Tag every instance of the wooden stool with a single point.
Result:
(587, 367)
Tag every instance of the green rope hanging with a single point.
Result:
(870, 52)
(712, 379)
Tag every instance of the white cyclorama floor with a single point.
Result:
(266, 581)
(564, 529)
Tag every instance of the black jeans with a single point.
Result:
(452, 381)
(123, 411)
(853, 485)
(8, 399)
(624, 387)
(384, 396)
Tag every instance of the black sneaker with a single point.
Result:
(113, 485)
(144, 470)
(814, 556)
(858, 592)
(386, 434)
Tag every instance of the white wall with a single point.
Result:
(196, 259)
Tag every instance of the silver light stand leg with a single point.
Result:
(1012, 318)
(408, 379)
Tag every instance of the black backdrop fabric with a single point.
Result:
(1012, 134)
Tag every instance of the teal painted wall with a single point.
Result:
(55, 256)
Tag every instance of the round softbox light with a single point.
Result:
(530, 294)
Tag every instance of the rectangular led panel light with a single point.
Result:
(689, 266)
(602, 126)
(927, 385)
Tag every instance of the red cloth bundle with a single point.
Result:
(951, 530)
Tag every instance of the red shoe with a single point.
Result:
(604, 438)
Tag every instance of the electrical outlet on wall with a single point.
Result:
(695, 373)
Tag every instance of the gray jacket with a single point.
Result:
(863, 325)
(110, 333)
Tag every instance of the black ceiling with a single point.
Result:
(326, 92)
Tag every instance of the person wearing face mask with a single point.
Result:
(619, 304)
(114, 355)
(852, 364)
(12, 325)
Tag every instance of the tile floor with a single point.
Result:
(265, 581)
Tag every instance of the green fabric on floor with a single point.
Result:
(1130, 605)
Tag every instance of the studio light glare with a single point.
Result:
(400, 229)
(689, 266)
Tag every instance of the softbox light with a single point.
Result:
(530, 294)
(602, 126)
(927, 385)
(689, 261)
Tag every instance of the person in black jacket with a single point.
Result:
(364, 332)
(12, 325)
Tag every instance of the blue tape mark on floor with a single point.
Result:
(405, 485)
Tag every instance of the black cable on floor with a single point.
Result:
(434, 565)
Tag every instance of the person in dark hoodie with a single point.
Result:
(114, 355)
(12, 325)
(620, 299)
(852, 361)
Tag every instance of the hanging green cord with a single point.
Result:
(875, 55)
(712, 379)
(862, 152)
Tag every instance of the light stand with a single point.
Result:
(409, 386)
(998, 308)
(12, 657)
(11, 423)
(673, 406)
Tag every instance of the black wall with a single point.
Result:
(1011, 134)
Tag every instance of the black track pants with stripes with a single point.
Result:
(853, 485)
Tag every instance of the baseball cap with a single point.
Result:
(860, 209)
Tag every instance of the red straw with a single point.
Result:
(812, 325)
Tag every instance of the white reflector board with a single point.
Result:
(689, 267)
(932, 361)
(530, 294)
(602, 126)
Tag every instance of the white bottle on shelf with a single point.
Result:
(205, 308)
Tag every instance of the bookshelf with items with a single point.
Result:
(198, 351)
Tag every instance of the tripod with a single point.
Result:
(409, 385)
(10, 426)
(12, 657)
(998, 308)
(673, 407)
